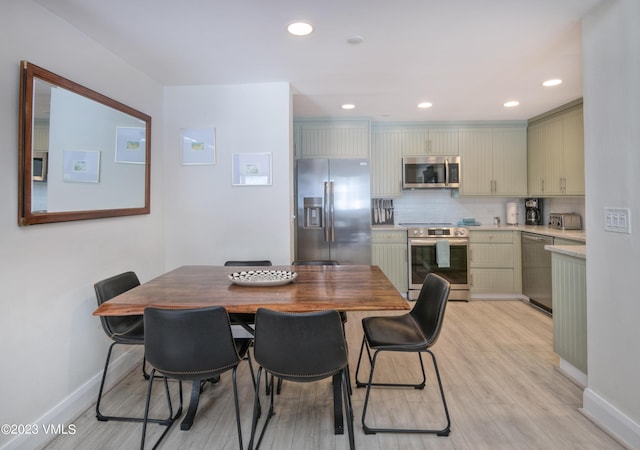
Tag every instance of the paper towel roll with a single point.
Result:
(512, 213)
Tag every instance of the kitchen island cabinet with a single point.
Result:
(493, 161)
(569, 286)
(389, 252)
(495, 263)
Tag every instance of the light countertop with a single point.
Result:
(574, 235)
(577, 251)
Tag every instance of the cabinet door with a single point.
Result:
(492, 255)
(509, 161)
(389, 251)
(443, 141)
(415, 141)
(332, 139)
(429, 141)
(573, 163)
(549, 160)
(386, 163)
(476, 167)
(493, 281)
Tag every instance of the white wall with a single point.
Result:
(209, 221)
(611, 42)
(52, 348)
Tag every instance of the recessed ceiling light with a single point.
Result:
(554, 82)
(425, 105)
(356, 39)
(511, 103)
(300, 28)
(348, 106)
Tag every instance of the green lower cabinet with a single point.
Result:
(389, 251)
(570, 309)
(494, 260)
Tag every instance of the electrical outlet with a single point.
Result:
(617, 220)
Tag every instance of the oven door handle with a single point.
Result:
(426, 241)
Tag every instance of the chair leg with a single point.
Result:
(368, 430)
(102, 417)
(348, 407)
(362, 348)
(172, 418)
(256, 409)
(235, 400)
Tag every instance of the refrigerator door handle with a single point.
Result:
(325, 208)
(331, 211)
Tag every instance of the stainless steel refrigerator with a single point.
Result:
(333, 203)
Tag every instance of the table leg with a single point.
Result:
(193, 405)
(337, 404)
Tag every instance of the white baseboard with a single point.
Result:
(573, 373)
(611, 419)
(64, 413)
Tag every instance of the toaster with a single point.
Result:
(565, 221)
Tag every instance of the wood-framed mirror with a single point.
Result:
(82, 155)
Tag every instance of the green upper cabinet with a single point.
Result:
(556, 153)
(493, 161)
(420, 140)
(331, 139)
(386, 162)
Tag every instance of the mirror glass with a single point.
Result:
(82, 154)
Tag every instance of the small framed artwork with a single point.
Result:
(198, 146)
(131, 145)
(251, 169)
(81, 166)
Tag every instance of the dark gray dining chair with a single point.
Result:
(190, 345)
(300, 347)
(125, 330)
(416, 331)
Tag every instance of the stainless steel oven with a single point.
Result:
(423, 255)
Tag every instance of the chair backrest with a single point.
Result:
(189, 344)
(112, 287)
(316, 262)
(300, 346)
(429, 309)
(263, 262)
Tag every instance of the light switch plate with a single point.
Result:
(617, 220)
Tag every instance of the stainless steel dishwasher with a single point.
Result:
(536, 270)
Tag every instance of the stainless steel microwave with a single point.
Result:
(423, 172)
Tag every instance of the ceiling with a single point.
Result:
(466, 57)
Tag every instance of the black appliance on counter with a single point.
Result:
(533, 211)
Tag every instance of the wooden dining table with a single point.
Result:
(316, 288)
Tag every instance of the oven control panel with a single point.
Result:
(438, 232)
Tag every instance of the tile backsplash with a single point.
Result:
(441, 206)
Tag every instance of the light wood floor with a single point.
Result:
(499, 374)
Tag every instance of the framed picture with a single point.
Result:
(198, 146)
(81, 166)
(251, 169)
(131, 145)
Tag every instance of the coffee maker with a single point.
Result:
(533, 211)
